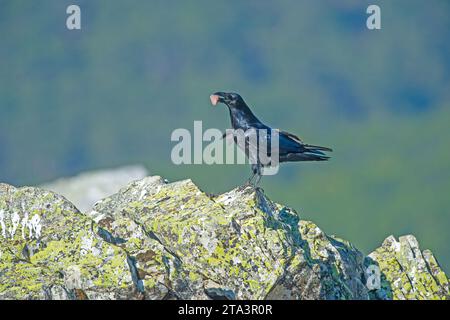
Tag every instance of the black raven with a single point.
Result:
(290, 147)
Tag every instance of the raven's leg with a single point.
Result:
(258, 176)
(257, 172)
(257, 180)
(249, 180)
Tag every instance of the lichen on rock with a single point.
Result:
(60, 256)
(239, 243)
(407, 273)
(160, 240)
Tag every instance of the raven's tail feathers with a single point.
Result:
(315, 148)
(309, 156)
(315, 157)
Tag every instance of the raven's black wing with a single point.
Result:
(290, 139)
(292, 148)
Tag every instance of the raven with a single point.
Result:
(290, 147)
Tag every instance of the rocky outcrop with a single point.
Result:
(188, 244)
(407, 273)
(49, 250)
(159, 240)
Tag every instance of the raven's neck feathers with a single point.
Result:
(242, 117)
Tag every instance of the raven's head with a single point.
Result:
(231, 99)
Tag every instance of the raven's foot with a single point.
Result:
(248, 183)
(243, 187)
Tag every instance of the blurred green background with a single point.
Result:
(112, 93)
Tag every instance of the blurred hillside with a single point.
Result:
(112, 93)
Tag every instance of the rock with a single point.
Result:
(238, 244)
(89, 187)
(49, 250)
(159, 240)
(407, 273)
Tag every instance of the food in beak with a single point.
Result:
(214, 99)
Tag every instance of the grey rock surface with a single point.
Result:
(159, 240)
(49, 250)
(407, 273)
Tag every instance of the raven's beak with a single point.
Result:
(215, 99)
